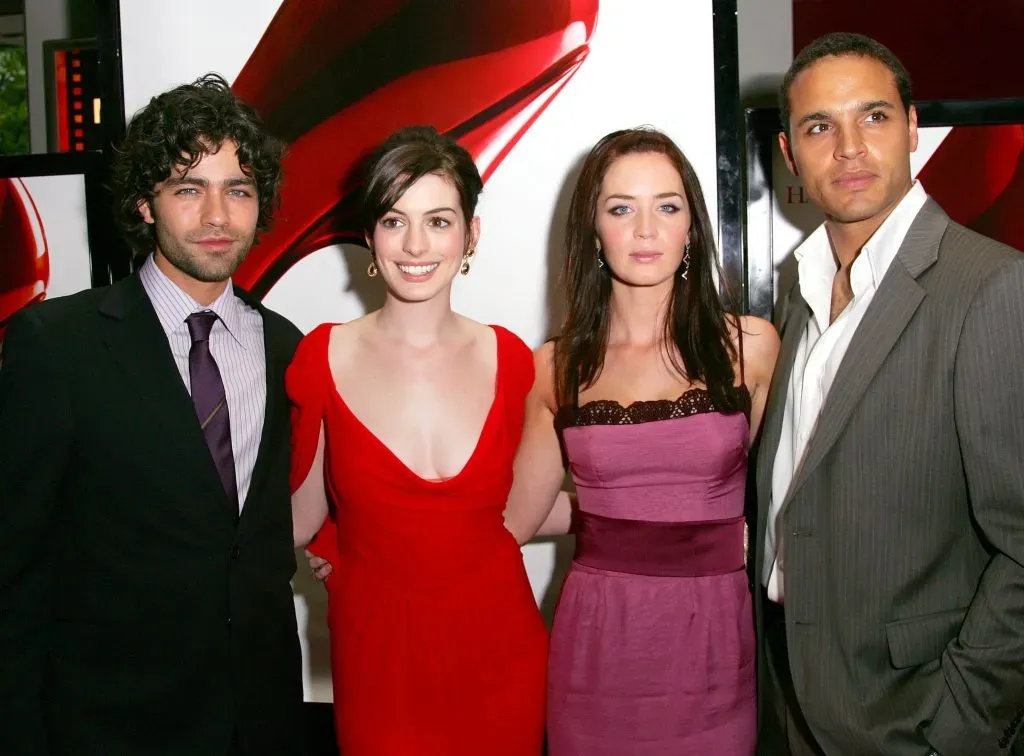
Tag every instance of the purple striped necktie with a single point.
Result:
(210, 400)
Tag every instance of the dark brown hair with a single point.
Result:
(404, 158)
(696, 323)
(179, 128)
(835, 45)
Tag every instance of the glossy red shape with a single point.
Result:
(24, 261)
(334, 77)
(977, 176)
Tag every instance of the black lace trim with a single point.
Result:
(694, 401)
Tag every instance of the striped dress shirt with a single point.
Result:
(236, 343)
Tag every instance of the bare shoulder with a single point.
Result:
(760, 345)
(544, 359)
(344, 338)
(757, 329)
(544, 374)
(474, 328)
(481, 336)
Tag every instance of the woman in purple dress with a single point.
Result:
(654, 393)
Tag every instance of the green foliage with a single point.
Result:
(13, 102)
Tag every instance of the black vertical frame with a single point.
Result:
(728, 128)
(762, 129)
(108, 33)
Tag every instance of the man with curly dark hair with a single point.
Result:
(145, 520)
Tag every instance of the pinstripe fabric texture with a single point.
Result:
(237, 345)
(821, 351)
(904, 523)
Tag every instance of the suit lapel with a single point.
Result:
(793, 324)
(138, 344)
(894, 304)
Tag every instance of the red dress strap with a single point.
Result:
(517, 359)
(308, 384)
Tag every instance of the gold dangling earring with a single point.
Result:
(464, 270)
(371, 269)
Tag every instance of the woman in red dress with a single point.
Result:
(405, 426)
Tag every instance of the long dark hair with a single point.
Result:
(179, 128)
(696, 322)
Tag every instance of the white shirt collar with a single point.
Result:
(880, 250)
(817, 266)
(173, 305)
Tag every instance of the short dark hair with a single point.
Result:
(838, 44)
(179, 128)
(404, 158)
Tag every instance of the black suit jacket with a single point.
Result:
(903, 528)
(136, 615)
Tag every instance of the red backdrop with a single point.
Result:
(954, 49)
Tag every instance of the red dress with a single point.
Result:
(437, 646)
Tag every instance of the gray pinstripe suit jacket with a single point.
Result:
(903, 529)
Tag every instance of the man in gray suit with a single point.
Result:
(890, 537)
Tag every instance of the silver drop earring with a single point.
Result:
(600, 260)
(686, 261)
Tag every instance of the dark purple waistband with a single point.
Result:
(661, 549)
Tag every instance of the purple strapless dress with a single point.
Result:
(652, 649)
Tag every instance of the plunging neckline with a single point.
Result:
(387, 449)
